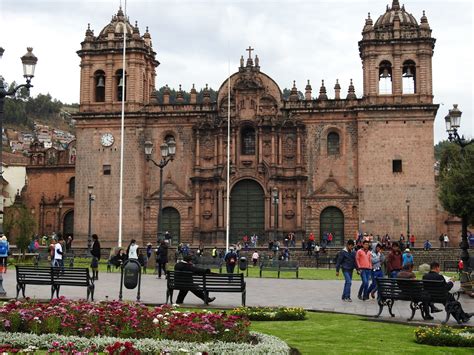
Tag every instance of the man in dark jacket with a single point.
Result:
(95, 252)
(162, 258)
(187, 265)
(394, 261)
(346, 262)
(434, 275)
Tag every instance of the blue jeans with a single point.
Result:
(394, 274)
(376, 274)
(347, 285)
(364, 288)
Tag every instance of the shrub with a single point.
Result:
(270, 314)
(445, 336)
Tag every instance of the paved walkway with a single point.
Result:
(309, 294)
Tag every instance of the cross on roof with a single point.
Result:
(250, 49)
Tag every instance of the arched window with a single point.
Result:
(248, 141)
(385, 78)
(409, 77)
(333, 143)
(72, 186)
(121, 81)
(99, 83)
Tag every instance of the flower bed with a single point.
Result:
(265, 344)
(121, 320)
(270, 314)
(445, 336)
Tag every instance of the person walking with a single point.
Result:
(58, 254)
(394, 261)
(95, 252)
(230, 260)
(377, 261)
(412, 241)
(4, 251)
(346, 262)
(162, 258)
(132, 250)
(255, 258)
(364, 267)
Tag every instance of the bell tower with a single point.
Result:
(396, 55)
(102, 72)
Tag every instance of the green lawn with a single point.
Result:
(304, 273)
(325, 333)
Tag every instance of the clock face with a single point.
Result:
(107, 139)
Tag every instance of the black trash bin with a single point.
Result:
(243, 263)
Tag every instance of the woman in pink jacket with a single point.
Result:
(364, 267)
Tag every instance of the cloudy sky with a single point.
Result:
(195, 41)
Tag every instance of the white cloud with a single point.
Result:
(195, 40)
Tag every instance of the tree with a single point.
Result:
(456, 191)
(19, 225)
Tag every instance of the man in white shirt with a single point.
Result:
(58, 254)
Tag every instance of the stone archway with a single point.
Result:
(332, 221)
(171, 221)
(68, 223)
(247, 210)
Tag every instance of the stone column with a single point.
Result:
(298, 146)
(198, 160)
(196, 206)
(280, 147)
(298, 207)
(260, 145)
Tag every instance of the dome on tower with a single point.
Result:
(116, 25)
(387, 19)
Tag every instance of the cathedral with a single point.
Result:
(324, 162)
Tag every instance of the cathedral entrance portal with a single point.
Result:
(68, 224)
(172, 223)
(247, 210)
(332, 221)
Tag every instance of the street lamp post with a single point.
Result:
(275, 206)
(60, 206)
(453, 121)
(91, 198)
(29, 63)
(408, 219)
(168, 151)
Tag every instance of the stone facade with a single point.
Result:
(340, 165)
(49, 193)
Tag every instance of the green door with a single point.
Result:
(332, 221)
(247, 210)
(68, 224)
(172, 223)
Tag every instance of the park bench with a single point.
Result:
(205, 262)
(54, 277)
(417, 292)
(326, 261)
(23, 257)
(450, 265)
(188, 281)
(279, 266)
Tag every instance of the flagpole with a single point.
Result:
(227, 231)
(122, 126)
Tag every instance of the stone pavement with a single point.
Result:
(310, 294)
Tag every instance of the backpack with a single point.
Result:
(3, 249)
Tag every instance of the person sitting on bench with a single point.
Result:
(458, 313)
(187, 265)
